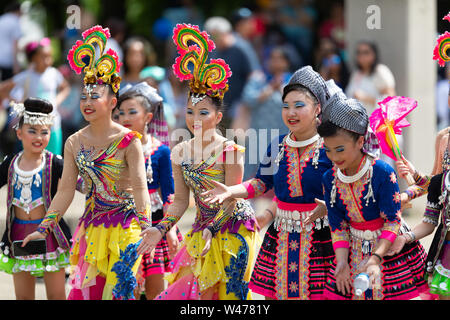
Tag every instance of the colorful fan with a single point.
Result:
(82, 56)
(210, 79)
(388, 120)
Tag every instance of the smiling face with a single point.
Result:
(344, 151)
(203, 117)
(96, 102)
(34, 138)
(299, 114)
(133, 116)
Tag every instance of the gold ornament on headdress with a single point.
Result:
(105, 69)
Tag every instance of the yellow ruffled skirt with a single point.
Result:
(94, 252)
(223, 273)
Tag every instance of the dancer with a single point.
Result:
(110, 160)
(141, 109)
(296, 252)
(215, 259)
(32, 177)
(363, 202)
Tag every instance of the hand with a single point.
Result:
(404, 167)
(150, 238)
(343, 279)
(172, 241)
(319, 212)
(372, 268)
(219, 194)
(263, 219)
(33, 236)
(397, 246)
(207, 236)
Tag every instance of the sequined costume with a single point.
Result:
(29, 190)
(227, 266)
(115, 209)
(294, 258)
(362, 212)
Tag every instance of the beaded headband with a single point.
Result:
(441, 50)
(206, 78)
(104, 69)
(32, 118)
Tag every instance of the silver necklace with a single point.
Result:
(301, 144)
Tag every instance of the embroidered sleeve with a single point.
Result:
(434, 205)
(420, 187)
(267, 168)
(255, 187)
(389, 203)
(336, 217)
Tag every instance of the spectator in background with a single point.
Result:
(221, 33)
(334, 26)
(263, 97)
(40, 80)
(71, 118)
(372, 81)
(138, 53)
(117, 28)
(244, 26)
(9, 37)
(330, 63)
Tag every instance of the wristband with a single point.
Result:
(378, 256)
(49, 222)
(167, 223)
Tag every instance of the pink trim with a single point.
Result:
(371, 225)
(341, 244)
(150, 191)
(264, 292)
(388, 235)
(302, 207)
(250, 190)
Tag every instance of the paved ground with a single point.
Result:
(76, 209)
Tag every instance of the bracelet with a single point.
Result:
(167, 223)
(271, 213)
(378, 256)
(49, 222)
(411, 235)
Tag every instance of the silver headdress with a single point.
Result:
(32, 118)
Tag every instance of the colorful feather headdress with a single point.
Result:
(206, 78)
(104, 69)
(442, 50)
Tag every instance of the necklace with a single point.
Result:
(23, 180)
(355, 177)
(300, 144)
(146, 148)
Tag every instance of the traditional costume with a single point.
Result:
(226, 267)
(365, 208)
(294, 258)
(117, 201)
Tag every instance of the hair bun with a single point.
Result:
(38, 105)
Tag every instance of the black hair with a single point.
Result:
(298, 87)
(329, 129)
(216, 101)
(374, 49)
(142, 100)
(36, 105)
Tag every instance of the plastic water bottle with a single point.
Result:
(361, 283)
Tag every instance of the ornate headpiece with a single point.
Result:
(442, 49)
(82, 57)
(158, 126)
(206, 78)
(33, 118)
(310, 79)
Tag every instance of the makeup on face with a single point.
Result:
(201, 117)
(34, 138)
(299, 113)
(132, 115)
(343, 151)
